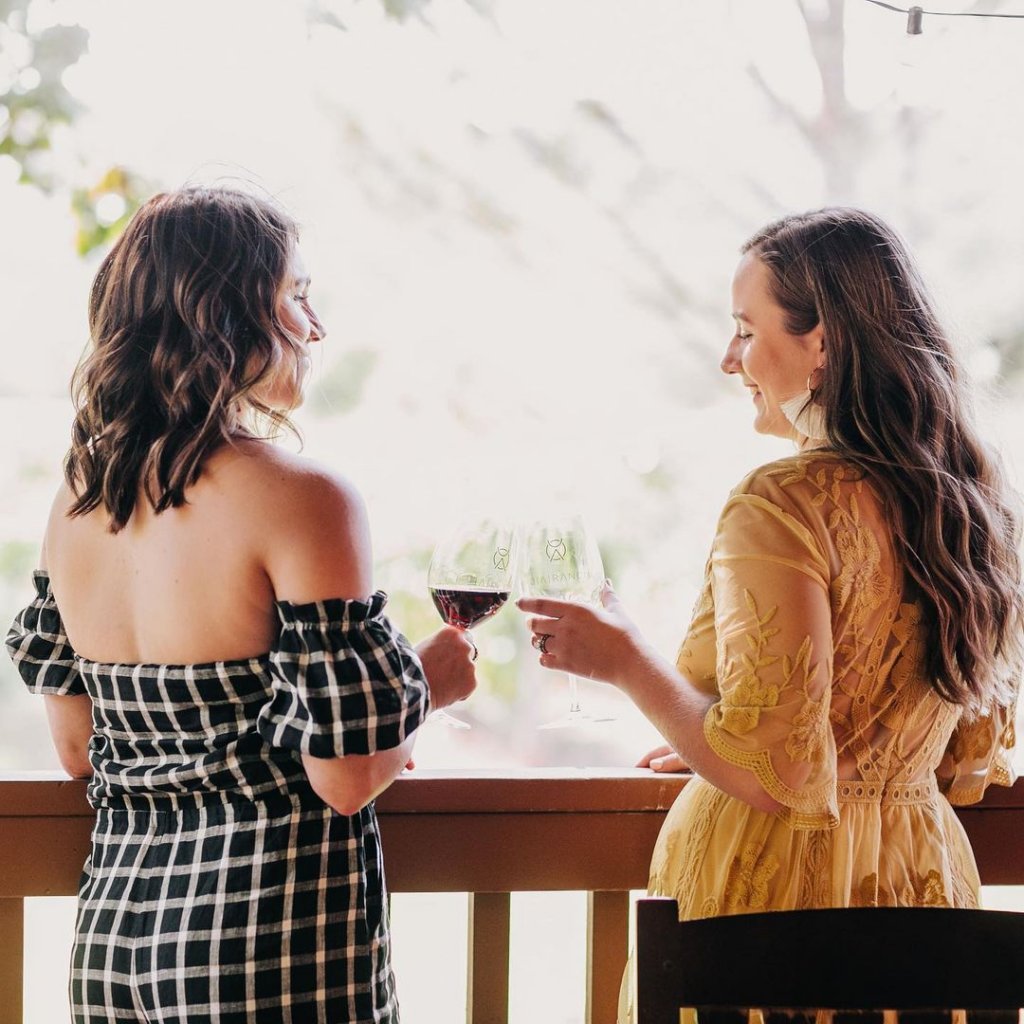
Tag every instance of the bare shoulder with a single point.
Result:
(310, 521)
(57, 521)
(275, 480)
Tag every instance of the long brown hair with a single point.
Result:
(183, 330)
(893, 399)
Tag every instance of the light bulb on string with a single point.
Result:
(912, 83)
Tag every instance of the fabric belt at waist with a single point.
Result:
(859, 791)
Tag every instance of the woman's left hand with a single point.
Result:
(594, 643)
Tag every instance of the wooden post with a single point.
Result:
(607, 952)
(487, 989)
(12, 959)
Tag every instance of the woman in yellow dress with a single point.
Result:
(852, 665)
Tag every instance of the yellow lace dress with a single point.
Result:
(803, 633)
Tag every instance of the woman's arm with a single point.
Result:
(70, 720)
(677, 710)
(317, 548)
(349, 783)
(606, 645)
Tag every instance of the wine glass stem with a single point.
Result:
(574, 699)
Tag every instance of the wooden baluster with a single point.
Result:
(607, 951)
(487, 988)
(12, 959)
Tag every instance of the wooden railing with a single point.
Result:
(488, 834)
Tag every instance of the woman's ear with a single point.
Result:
(816, 340)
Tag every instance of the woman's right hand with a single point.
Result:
(663, 759)
(448, 658)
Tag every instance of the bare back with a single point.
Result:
(198, 583)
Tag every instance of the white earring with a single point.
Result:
(806, 415)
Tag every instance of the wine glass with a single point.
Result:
(561, 559)
(470, 578)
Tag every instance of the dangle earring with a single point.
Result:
(806, 415)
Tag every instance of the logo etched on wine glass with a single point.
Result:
(555, 550)
(501, 557)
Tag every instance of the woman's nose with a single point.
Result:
(317, 332)
(731, 360)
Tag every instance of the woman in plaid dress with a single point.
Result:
(212, 654)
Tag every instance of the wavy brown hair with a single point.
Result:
(894, 403)
(183, 330)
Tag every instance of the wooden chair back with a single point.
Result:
(899, 958)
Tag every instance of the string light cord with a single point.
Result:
(944, 14)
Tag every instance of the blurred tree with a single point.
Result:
(839, 132)
(103, 209)
(34, 99)
(34, 102)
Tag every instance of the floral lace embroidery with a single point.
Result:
(974, 741)
(888, 724)
(741, 714)
(694, 841)
(816, 883)
(907, 629)
(696, 653)
(743, 710)
(926, 891)
(746, 888)
(807, 738)
(866, 893)
(861, 578)
(709, 908)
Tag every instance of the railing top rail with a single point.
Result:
(424, 791)
(453, 791)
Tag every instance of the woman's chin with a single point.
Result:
(775, 426)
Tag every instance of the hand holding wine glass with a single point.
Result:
(470, 578)
(561, 560)
(447, 658)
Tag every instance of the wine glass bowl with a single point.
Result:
(561, 559)
(470, 578)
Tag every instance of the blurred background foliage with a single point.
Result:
(521, 219)
(35, 103)
(33, 97)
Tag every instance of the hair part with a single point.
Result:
(183, 331)
(895, 403)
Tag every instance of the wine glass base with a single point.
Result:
(451, 721)
(576, 718)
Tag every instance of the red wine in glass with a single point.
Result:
(464, 607)
(470, 578)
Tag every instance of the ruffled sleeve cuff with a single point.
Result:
(39, 647)
(345, 681)
(814, 807)
(979, 755)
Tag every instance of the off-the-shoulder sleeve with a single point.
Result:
(39, 647)
(980, 753)
(773, 629)
(345, 681)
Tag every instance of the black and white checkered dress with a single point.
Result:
(220, 888)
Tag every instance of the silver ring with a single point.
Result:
(540, 641)
(476, 650)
